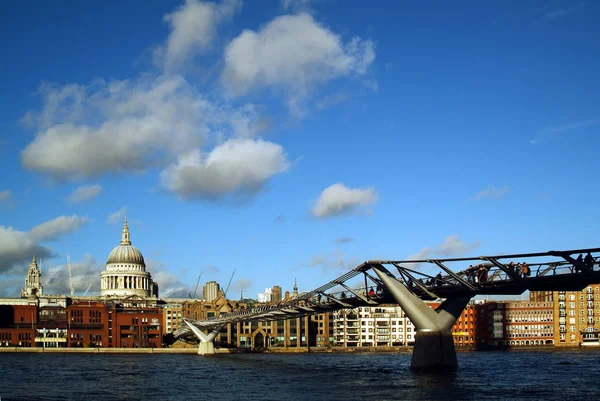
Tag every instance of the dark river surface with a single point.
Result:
(498, 375)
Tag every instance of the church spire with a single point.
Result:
(295, 294)
(125, 239)
(33, 284)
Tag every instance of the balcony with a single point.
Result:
(86, 326)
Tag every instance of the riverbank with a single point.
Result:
(102, 350)
(273, 350)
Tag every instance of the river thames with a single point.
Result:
(497, 375)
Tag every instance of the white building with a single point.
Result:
(125, 273)
(266, 296)
(372, 327)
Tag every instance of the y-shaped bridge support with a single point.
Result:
(206, 345)
(434, 346)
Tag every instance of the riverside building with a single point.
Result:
(577, 316)
(517, 323)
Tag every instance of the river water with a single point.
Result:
(497, 375)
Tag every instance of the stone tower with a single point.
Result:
(33, 281)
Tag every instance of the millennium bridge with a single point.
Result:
(372, 283)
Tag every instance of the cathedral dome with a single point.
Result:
(125, 252)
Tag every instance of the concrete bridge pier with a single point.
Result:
(206, 345)
(434, 346)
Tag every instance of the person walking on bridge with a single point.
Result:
(589, 261)
(578, 263)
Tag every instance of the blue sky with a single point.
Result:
(293, 139)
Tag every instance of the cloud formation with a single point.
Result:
(491, 193)
(6, 197)
(295, 4)
(337, 199)
(338, 261)
(550, 132)
(16, 247)
(238, 286)
(117, 216)
(52, 229)
(84, 193)
(161, 121)
(85, 275)
(240, 166)
(342, 240)
(139, 125)
(193, 30)
(293, 53)
(452, 246)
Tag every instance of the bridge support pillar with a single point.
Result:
(206, 348)
(434, 346)
(434, 350)
(206, 345)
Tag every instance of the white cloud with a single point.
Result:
(295, 53)
(84, 193)
(16, 247)
(317, 260)
(331, 100)
(169, 285)
(117, 216)
(6, 197)
(337, 262)
(337, 199)
(491, 193)
(115, 127)
(343, 240)
(56, 227)
(422, 254)
(193, 29)
(240, 166)
(123, 126)
(550, 132)
(238, 286)
(295, 4)
(453, 246)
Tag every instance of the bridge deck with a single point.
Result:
(487, 275)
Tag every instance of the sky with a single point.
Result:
(294, 139)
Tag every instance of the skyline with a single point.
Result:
(293, 140)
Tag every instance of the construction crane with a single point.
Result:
(70, 275)
(196, 289)
(87, 289)
(228, 284)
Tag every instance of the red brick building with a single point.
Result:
(88, 324)
(135, 327)
(17, 325)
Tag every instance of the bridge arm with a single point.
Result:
(455, 276)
